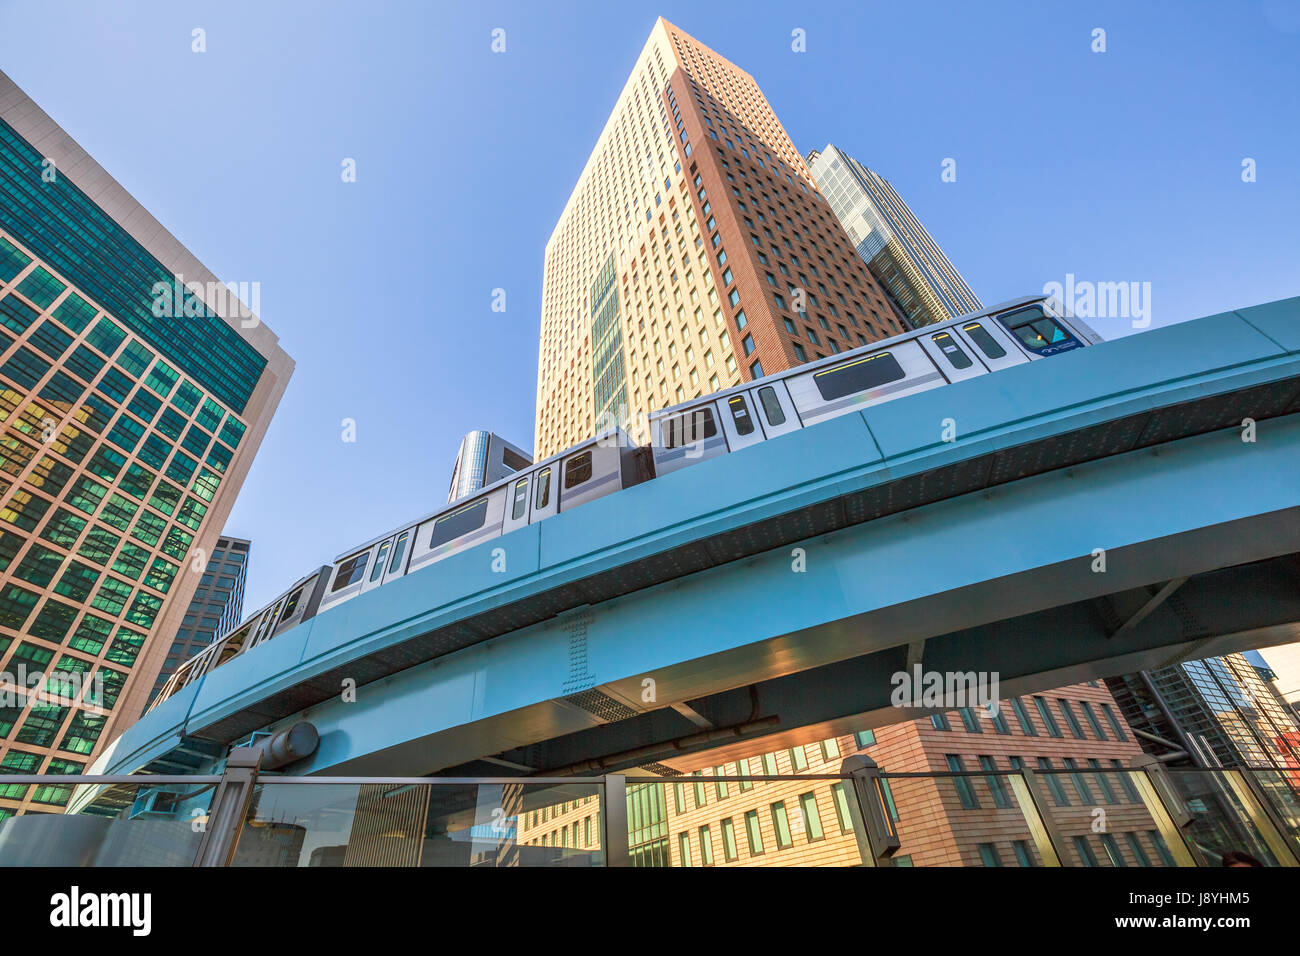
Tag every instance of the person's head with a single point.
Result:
(1237, 858)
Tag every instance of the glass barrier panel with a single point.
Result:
(121, 825)
(719, 820)
(1221, 822)
(384, 824)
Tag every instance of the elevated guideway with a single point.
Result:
(776, 590)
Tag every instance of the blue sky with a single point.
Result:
(1115, 166)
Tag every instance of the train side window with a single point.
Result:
(461, 521)
(858, 376)
(350, 571)
(521, 499)
(379, 561)
(689, 427)
(951, 350)
(543, 497)
(577, 470)
(740, 414)
(398, 551)
(981, 337)
(1034, 328)
(771, 405)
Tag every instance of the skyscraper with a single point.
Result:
(134, 393)
(484, 457)
(216, 607)
(694, 253)
(891, 240)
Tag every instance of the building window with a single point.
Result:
(812, 820)
(989, 855)
(962, 784)
(798, 760)
(683, 849)
(753, 834)
(995, 783)
(1081, 847)
(1070, 719)
(781, 824)
(839, 796)
(1022, 717)
(706, 846)
(1048, 720)
(970, 721)
(1115, 725)
(729, 840)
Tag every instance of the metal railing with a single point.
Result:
(1142, 815)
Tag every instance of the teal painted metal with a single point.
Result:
(755, 601)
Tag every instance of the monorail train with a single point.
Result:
(1014, 332)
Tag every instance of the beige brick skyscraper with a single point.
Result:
(694, 253)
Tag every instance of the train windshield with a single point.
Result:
(1035, 329)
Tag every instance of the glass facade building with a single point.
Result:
(217, 605)
(900, 252)
(484, 457)
(128, 420)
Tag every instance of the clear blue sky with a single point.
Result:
(1122, 166)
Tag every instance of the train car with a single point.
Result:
(1020, 330)
(585, 472)
(294, 606)
(1014, 332)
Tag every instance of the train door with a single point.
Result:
(375, 575)
(398, 555)
(517, 500)
(775, 409)
(740, 422)
(991, 342)
(545, 498)
(952, 355)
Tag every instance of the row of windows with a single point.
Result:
(971, 721)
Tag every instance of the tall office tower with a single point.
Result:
(1073, 737)
(694, 253)
(134, 392)
(891, 240)
(484, 457)
(1216, 712)
(216, 607)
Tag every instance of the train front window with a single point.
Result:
(986, 342)
(461, 521)
(951, 350)
(543, 489)
(521, 499)
(690, 427)
(379, 561)
(1035, 329)
(771, 405)
(291, 605)
(740, 414)
(577, 470)
(858, 376)
(398, 551)
(350, 571)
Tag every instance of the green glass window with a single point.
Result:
(91, 634)
(50, 339)
(196, 441)
(209, 416)
(171, 424)
(99, 545)
(136, 482)
(219, 457)
(177, 544)
(144, 406)
(118, 512)
(181, 468)
(161, 575)
(24, 510)
(41, 726)
(187, 398)
(86, 495)
(131, 562)
(77, 581)
(41, 287)
(17, 316)
(162, 379)
(26, 368)
(154, 452)
(75, 312)
(106, 464)
(53, 621)
(125, 647)
(83, 732)
(205, 485)
(144, 609)
(191, 514)
(753, 833)
(106, 336)
(39, 566)
(84, 363)
(12, 260)
(165, 498)
(812, 820)
(149, 528)
(232, 431)
(112, 596)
